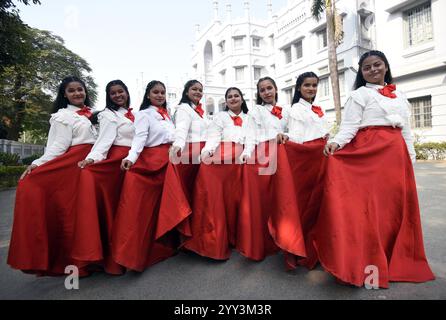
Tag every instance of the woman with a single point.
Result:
(134, 245)
(43, 228)
(268, 217)
(307, 130)
(369, 214)
(218, 187)
(101, 181)
(190, 137)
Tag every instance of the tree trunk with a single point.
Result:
(19, 107)
(332, 58)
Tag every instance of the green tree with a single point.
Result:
(334, 37)
(11, 33)
(28, 87)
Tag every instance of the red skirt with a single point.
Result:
(44, 216)
(308, 163)
(97, 201)
(133, 243)
(369, 213)
(216, 201)
(269, 217)
(176, 199)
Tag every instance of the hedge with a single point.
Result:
(431, 150)
(9, 176)
(9, 159)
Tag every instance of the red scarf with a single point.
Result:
(317, 110)
(277, 111)
(85, 111)
(387, 91)
(129, 115)
(163, 112)
(199, 110)
(238, 121)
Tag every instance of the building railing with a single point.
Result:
(24, 150)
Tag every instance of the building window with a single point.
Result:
(222, 46)
(256, 42)
(257, 73)
(210, 106)
(172, 96)
(299, 49)
(239, 73)
(288, 95)
(222, 105)
(341, 77)
(223, 76)
(322, 39)
(418, 25)
(287, 53)
(238, 42)
(421, 112)
(324, 87)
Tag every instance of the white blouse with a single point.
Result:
(222, 128)
(114, 129)
(190, 127)
(151, 130)
(367, 107)
(262, 126)
(67, 129)
(303, 124)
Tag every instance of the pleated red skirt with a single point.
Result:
(308, 163)
(269, 218)
(133, 242)
(96, 205)
(216, 201)
(176, 200)
(44, 216)
(369, 217)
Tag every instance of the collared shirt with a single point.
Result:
(262, 126)
(151, 130)
(222, 128)
(67, 129)
(303, 124)
(114, 129)
(189, 126)
(367, 107)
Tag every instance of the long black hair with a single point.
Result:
(187, 86)
(61, 101)
(146, 103)
(259, 99)
(244, 106)
(109, 104)
(360, 81)
(300, 80)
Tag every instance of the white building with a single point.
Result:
(238, 51)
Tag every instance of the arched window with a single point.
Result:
(210, 106)
(208, 57)
(221, 105)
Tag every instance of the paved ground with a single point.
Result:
(188, 276)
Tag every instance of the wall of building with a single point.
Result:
(419, 70)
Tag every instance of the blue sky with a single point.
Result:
(134, 40)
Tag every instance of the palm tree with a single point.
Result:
(334, 37)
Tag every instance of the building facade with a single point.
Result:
(238, 51)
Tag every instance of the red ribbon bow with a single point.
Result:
(163, 112)
(387, 91)
(129, 115)
(85, 111)
(277, 111)
(238, 121)
(199, 110)
(317, 110)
